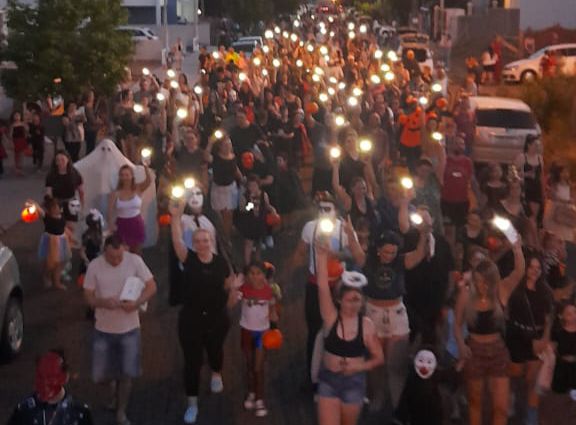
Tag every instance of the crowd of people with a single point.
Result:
(411, 252)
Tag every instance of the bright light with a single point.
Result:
(332, 34)
(323, 97)
(353, 101)
(265, 72)
(339, 120)
(160, 97)
(326, 226)
(249, 206)
(335, 152)
(423, 100)
(242, 76)
(501, 223)
(327, 58)
(138, 108)
(416, 219)
(172, 74)
(189, 183)
(365, 145)
(174, 84)
(310, 48)
(299, 63)
(145, 71)
(356, 91)
(389, 76)
(333, 80)
(285, 34)
(266, 49)
(351, 35)
(392, 56)
(297, 23)
(323, 31)
(436, 87)
(316, 78)
(363, 29)
(198, 90)
(218, 134)
(177, 192)
(216, 55)
(351, 26)
(323, 50)
(257, 61)
(294, 38)
(277, 30)
(437, 136)
(276, 63)
(318, 70)
(330, 19)
(378, 54)
(146, 153)
(331, 91)
(199, 12)
(406, 182)
(341, 85)
(375, 79)
(385, 67)
(321, 24)
(182, 113)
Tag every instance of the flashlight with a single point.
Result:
(323, 97)
(357, 91)
(160, 97)
(339, 120)
(249, 206)
(351, 26)
(506, 227)
(299, 63)
(310, 48)
(189, 183)
(333, 80)
(363, 29)
(268, 34)
(198, 90)
(353, 101)
(174, 84)
(375, 79)
(416, 219)
(436, 87)
(389, 76)
(216, 55)
(332, 33)
(351, 35)
(318, 71)
(385, 67)
(365, 145)
(296, 23)
(257, 61)
(342, 85)
(423, 100)
(407, 183)
(242, 76)
(172, 74)
(266, 49)
(326, 226)
(294, 37)
(146, 153)
(218, 134)
(138, 108)
(145, 71)
(177, 192)
(436, 135)
(265, 72)
(331, 91)
(277, 30)
(378, 54)
(285, 34)
(316, 78)
(276, 63)
(323, 50)
(182, 113)
(392, 56)
(335, 152)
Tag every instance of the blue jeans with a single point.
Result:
(115, 356)
(349, 389)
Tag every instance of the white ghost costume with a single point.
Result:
(99, 172)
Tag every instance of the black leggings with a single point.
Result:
(197, 335)
(313, 319)
(73, 149)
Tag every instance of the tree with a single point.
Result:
(75, 41)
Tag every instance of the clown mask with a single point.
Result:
(196, 199)
(425, 364)
(327, 210)
(74, 206)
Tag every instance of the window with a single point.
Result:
(505, 118)
(570, 51)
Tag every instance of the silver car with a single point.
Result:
(11, 299)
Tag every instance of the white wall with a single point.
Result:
(538, 14)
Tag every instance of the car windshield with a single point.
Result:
(538, 53)
(505, 118)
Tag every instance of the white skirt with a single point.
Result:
(224, 197)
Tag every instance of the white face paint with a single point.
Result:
(327, 210)
(196, 199)
(425, 364)
(74, 206)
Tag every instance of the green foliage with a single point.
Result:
(74, 40)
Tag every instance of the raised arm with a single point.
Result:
(413, 258)
(339, 191)
(147, 180)
(327, 309)
(358, 254)
(509, 283)
(176, 227)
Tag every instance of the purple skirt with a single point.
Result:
(131, 230)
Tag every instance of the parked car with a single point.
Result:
(11, 301)
(502, 125)
(251, 39)
(529, 69)
(422, 53)
(138, 33)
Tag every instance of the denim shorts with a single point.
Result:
(349, 389)
(115, 356)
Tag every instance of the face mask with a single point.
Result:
(247, 160)
(425, 364)
(327, 210)
(50, 378)
(74, 206)
(196, 199)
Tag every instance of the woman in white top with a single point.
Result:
(560, 212)
(124, 208)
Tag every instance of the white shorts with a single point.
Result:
(389, 321)
(224, 197)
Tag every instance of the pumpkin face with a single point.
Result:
(335, 269)
(29, 214)
(272, 339)
(273, 220)
(247, 160)
(164, 220)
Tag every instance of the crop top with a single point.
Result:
(343, 348)
(485, 323)
(129, 208)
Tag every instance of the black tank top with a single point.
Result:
(343, 348)
(356, 213)
(485, 324)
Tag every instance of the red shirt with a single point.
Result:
(457, 177)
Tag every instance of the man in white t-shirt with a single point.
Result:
(116, 343)
(343, 244)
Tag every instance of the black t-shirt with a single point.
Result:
(385, 281)
(244, 139)
(33, 411)
(54, 226)
(64, 186)
(350, 168)
(527, 309)
(189, 163)
(202, 287)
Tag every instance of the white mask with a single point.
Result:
(74, 206)
(327, 210)
(425, 364)
(195, 199)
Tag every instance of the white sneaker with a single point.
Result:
(216, 384)
(191, 414)
(260, 409)
(249, 403)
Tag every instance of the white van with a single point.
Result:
(529, 69)
(502, 125)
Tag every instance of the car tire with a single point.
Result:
(12, 337)
(528, 76)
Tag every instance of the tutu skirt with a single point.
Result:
(131, 230)
(224, 197)
(54, 248)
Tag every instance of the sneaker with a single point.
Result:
(249, 403)
(216, 384)
(191, 414)
(260, 409)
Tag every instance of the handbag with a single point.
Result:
(565, 214)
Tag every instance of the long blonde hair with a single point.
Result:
(491, 276)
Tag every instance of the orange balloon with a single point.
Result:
(165, 220)
(273, 220)
(442, 103)
(272, 339)
(335, 269)
(312, 108)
